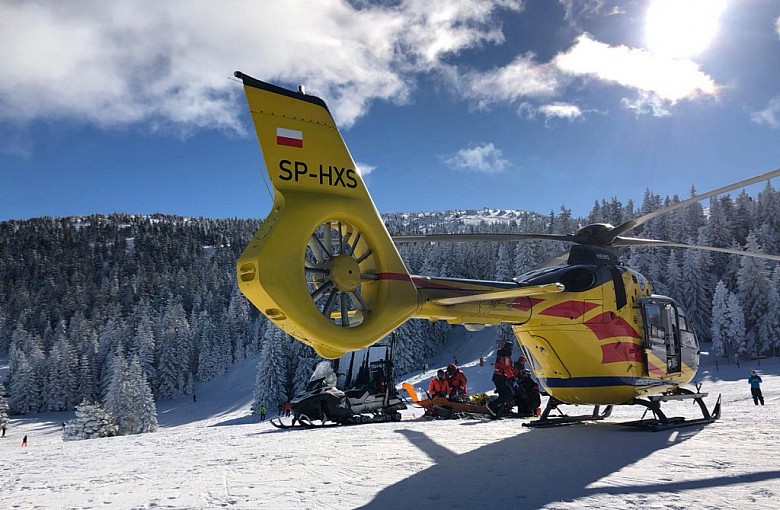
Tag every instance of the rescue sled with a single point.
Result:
(440, 407)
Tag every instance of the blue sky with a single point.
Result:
(130, 106)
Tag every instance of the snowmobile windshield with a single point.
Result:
(325, 372)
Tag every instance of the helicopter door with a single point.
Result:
(662, 336)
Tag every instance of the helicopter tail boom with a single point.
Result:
(322, 266)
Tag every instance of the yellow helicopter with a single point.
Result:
(324, 269)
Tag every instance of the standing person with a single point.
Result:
(438, 387)
(755, 387)
(194, 398)
(262, 413)
(503, 377)
(287, 406)
(3, 431)
(456, 380)
(24, 441)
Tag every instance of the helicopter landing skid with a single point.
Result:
(661, 422)
(545, 421)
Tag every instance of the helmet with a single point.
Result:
(440, 373)
(451, 368)
(754, 372)
(508, 346)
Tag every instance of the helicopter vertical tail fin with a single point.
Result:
(322, 266)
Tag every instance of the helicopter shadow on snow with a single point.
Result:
(538, 467)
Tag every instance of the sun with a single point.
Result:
(682, 28)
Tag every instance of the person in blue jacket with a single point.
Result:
(755, 387)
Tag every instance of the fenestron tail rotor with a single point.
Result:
(338, 262)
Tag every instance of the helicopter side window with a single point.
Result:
(662, 334)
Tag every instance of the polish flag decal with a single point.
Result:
(289, 137)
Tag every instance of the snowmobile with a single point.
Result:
(323, 404)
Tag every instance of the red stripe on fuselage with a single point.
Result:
(394, 276)
(605, 326)
(621, 351)
(570, 309)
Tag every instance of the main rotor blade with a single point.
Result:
(634, 241)
(630, 224)
(458, 238)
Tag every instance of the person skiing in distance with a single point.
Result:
(262, 413)
(456, 381)
(438, 387)
(755, 387)
(503, 377)
(24, 441)
(287, 406)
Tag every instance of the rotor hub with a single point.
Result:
(345, 273)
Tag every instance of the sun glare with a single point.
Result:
(682, 28)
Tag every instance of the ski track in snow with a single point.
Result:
(211, 454)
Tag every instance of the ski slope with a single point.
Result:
(212, 454)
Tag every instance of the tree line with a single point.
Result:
(89, 303)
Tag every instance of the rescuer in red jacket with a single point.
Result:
(503, 376)
(438, 387)
(457, 382)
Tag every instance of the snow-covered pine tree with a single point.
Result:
(173, 352)
(129, 400)
(735, 332)
(143, 342)
(3, 407)
(673, 276)
(24, 388)
(271, 371)
(505, 264)
(141, 400)
(91, 421)
(720, 320)
(753, 288)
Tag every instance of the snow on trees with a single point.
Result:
(728, 326)
(129, 400)
(271, 377)
(3, 407)
(753, 288)
(91, 421)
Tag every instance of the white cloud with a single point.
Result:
(560, 110)
(522, 78)
(168, 63)
(777, 26)
(659, 78)
(364, 169)
(769, 116)
(484, 158)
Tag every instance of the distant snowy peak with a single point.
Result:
(463, 217)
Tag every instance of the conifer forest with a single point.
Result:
(122, 310)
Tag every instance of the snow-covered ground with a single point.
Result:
(212, 454)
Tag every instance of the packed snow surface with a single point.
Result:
(213, 454)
